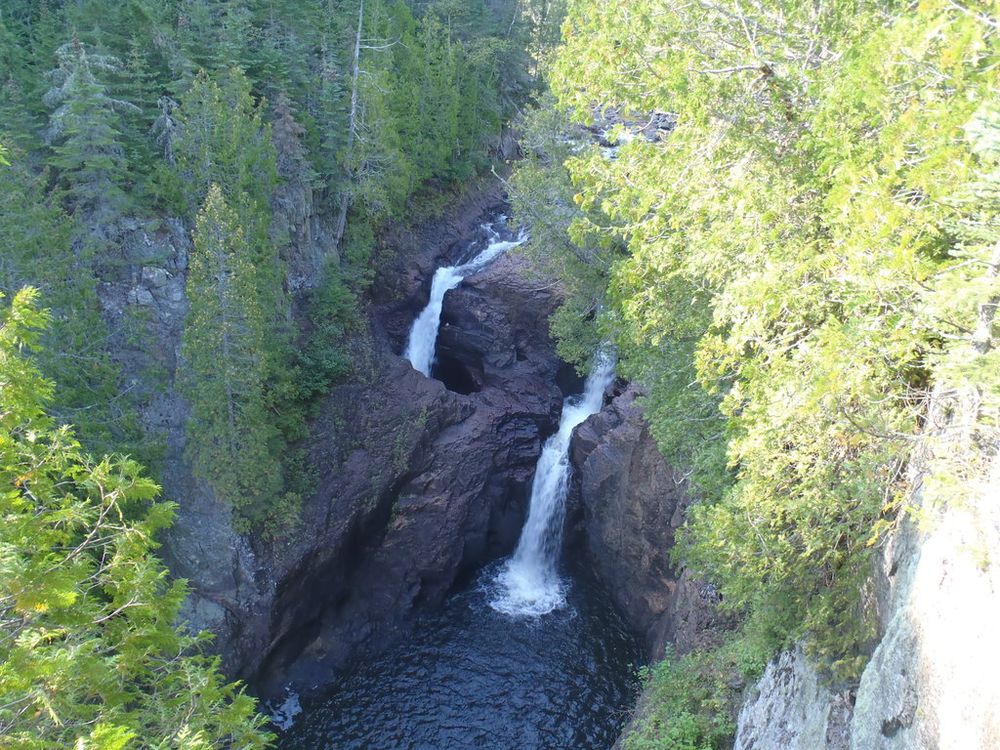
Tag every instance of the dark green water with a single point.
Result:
(470, 678)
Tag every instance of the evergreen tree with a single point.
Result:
(142, 90)
(783, 243)
(90, 653)
(39, 252)
(331, 116)
(15, 81)
(84, 129)
(222, 140)
(231, 439)
(198, 31)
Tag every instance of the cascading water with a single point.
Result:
(470, 673)
(473, 672)
(424, 332)
(528, 583)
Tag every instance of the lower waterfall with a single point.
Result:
(474, 671)
(528, 583)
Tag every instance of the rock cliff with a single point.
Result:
(931, 680)
(419, 485)
(417, 480)
(626, 503)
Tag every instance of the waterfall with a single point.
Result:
(424, 332)
(528, 583)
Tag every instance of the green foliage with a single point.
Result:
(223, 140)
(430, 100)
(90, 654)
(809, 252)
(323, 358)
(688, 705)
(85, 133)
(39, 252)
(150, 104)
(232, 441)
(690, 702)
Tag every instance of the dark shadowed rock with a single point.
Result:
(416, 483)
(627, 503)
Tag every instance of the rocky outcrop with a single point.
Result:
(792, 708)
(625, 505)
(631, 503)
(419, 484)
(416, 483)
(376, 441)
(931, 681)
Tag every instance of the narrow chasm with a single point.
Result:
(448, 616)
(456, 375)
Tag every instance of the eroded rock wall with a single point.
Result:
(791, 707)
(415, 482)
(420, 484)
(626, 504)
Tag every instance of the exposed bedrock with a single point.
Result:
(931, 681)
(626, 504)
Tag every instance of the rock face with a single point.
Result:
(419, 485)
(931, 681)
(791, 708)
(625, 505)
(416, 483)
(631, 503)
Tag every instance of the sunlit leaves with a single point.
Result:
(802, 249)
(90, 653)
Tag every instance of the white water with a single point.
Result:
(528, 582)
(424, 332)
(283, 715)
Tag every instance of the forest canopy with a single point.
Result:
(789, 227)
(195, 150)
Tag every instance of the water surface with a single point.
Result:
(472, 678)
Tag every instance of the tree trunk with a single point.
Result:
(345, 197)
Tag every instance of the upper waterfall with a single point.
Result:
(423, 334)
(528, 582)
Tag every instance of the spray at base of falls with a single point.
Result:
(528, 582)
(424, 332)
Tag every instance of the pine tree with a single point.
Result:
(15, 77)
(84, 129)
(197, 31)
(142, 90)
(231, 441)
(222, 140)
(90, 616)
(39, 252)
(331, 111)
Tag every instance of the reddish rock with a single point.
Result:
(627, 504)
